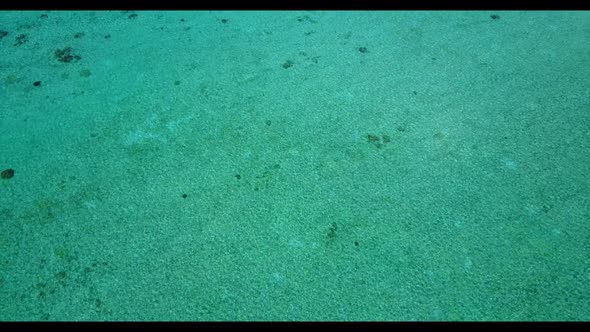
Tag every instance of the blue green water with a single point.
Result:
(294, 165)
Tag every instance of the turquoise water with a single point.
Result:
(294, 165)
